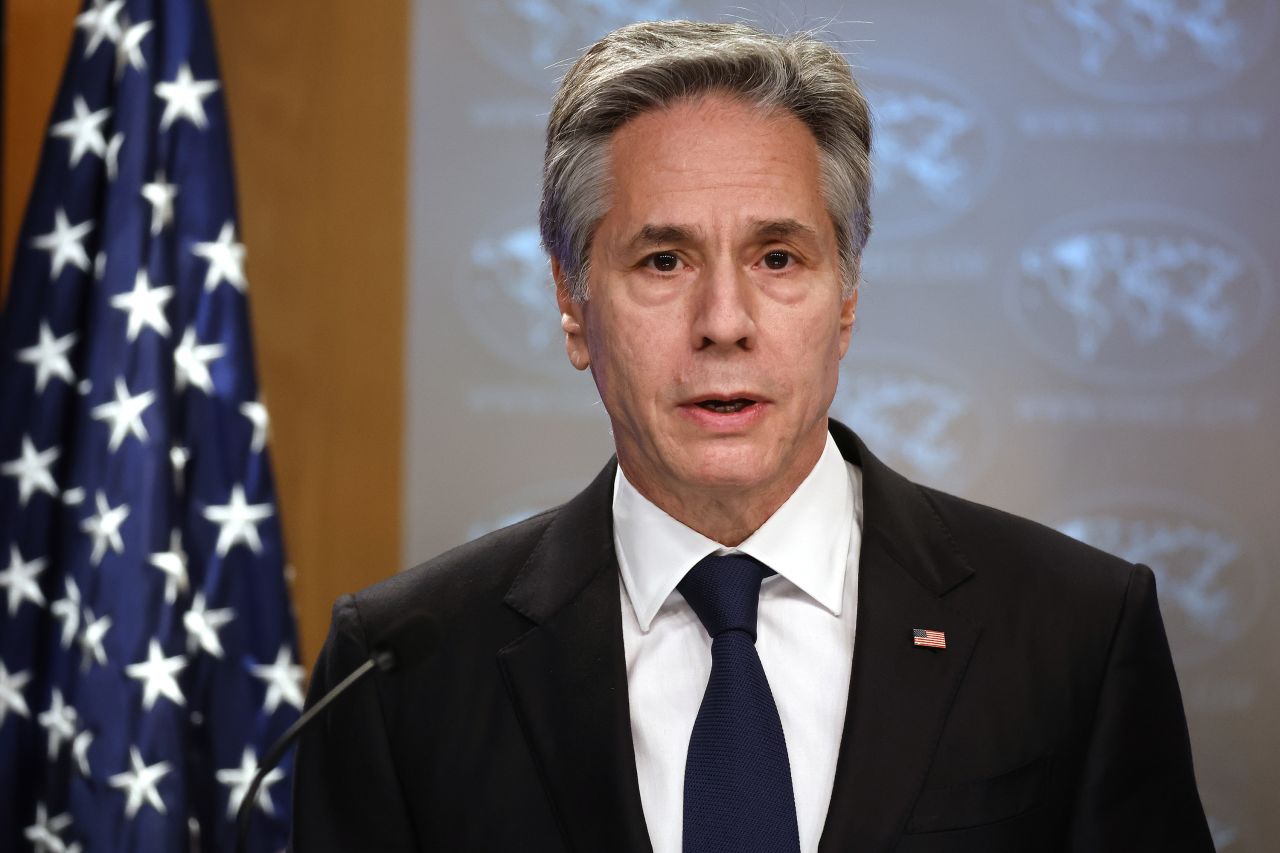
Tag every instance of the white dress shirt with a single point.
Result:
(804, 636)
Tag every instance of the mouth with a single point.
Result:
(726, 406)
(727, 413)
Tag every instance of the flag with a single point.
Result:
(148, 653)
(928, 638)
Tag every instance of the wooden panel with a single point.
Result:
(317, 91)
(37, 37)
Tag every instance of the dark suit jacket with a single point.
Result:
(1052, 720)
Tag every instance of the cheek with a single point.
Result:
(621, 358)
(814, 364)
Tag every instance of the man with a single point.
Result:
(747, 633)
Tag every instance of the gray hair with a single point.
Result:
(652, 65)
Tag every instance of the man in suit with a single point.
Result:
(747, 633)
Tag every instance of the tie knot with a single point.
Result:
(725, 592)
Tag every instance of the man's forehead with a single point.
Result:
(712, 169)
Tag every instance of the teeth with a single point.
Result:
(725, 406)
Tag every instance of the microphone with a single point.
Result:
(383, 660)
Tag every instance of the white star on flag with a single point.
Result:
(100, 22)
(65, 244)
(203, 625)
(113, 159)
(256, 412)
(67, 611)
(83, 130)
(105, 528)
(140, 783)
(60, 721)
(129, 51)
(226, 259)
(157, 674)
(49, 357)
(174, 565)
(239, 521)
(95, 631)
(46, 833)
(283, 679)
(178, 456)
(80, 750)
(11, 698)
(145, 306)
(125, 414)
(20, 579)
(184, 98)
(191, 362)
(239, 779)
(32, 471)
(160, 195)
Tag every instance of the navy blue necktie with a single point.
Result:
(737, 779)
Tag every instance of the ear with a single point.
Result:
(848, 311)
(572, 319)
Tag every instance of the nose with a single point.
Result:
(724, 313)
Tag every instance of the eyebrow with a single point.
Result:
(656, 235)
(781, 229)
(762, 230)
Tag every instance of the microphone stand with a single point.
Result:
(383, 660)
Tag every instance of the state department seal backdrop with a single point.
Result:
(1069, 304)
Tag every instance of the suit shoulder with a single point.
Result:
(466, 579)
(994, 540)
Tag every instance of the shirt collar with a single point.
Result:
(806, 541)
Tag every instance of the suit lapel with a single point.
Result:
(899, 694)
(567, 676)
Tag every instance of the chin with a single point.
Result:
(737, 468)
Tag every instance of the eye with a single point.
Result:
(663, 261)
(777, 259)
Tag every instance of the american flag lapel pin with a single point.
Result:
(928, 638)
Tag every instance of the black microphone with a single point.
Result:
(381, 659)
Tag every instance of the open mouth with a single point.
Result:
(726, 407)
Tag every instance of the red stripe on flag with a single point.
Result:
(929, 639)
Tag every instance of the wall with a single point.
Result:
(37, 35)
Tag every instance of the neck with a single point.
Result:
(725, 514)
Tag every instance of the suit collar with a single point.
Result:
(897, 512)
(579, 542)
(575, 548)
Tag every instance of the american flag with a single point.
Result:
(928, 638)
(147, 646)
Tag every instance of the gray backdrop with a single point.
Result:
(1068, 309)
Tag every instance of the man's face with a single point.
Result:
(714, 325)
